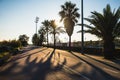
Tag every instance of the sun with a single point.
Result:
(58, 23)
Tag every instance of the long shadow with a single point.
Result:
(109, 77)
(25, 49)
(26, 54)
(116, 61)
(32, 70)
(103, 62)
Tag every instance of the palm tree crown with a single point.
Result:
(46, 25)
(105, 26)
(55, 30)
(69, 15)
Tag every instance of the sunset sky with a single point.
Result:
(17, 16)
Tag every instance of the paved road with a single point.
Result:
(48, 64)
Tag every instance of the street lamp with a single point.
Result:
(36, 21)
(82, 34)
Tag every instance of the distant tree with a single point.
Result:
(35, 39)
(42, 33)
(24, 39)
(46, 25)
(15, 43)
(8, 46)
(105, 26)
(55, 30)
(69, 15)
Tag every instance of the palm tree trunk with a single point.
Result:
(109, 48)
(54, 40)
(47, 39)
(70, 43)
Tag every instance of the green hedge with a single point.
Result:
(9, 46)
(87, 50)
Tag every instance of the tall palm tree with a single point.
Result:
(69, 15)
(46, 25)
(105, 26)
(55, 30)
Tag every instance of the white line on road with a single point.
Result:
(110, 70)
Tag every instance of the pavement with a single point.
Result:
(48, 64)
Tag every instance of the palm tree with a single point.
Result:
(55, 30)
(105, 26)
(42, 32)
(46, 25)
(69, 15)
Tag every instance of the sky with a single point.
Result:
(17, 16)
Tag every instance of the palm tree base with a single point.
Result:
(109, 56)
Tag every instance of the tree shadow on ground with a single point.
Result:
(33, 69)
(115, 60)
(25, 54)
(28, 48)
(105, 63)
(93, 72)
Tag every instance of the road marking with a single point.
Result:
(110, 70)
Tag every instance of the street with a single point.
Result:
(49, 64)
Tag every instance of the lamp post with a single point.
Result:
(82, 34)
(36, 21)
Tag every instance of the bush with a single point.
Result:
(89, 50)
(4, 57)
(9, 46)
(3, 54)
(4, 49)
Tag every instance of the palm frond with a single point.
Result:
(116, 31)
(103, 25)
(42, 30)
(62, 14)
(94, 32)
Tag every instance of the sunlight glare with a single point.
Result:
(58, 23)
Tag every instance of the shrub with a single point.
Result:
(15, 44)
(9, 46)
(4, 57)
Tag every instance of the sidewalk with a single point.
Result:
(49, 64)
(110, 68)
(38, 64)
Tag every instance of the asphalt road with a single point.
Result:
(49, 64)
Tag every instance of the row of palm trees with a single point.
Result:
(50, 27)
(69, 15)
(105, 25)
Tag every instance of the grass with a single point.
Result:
(3, 54)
